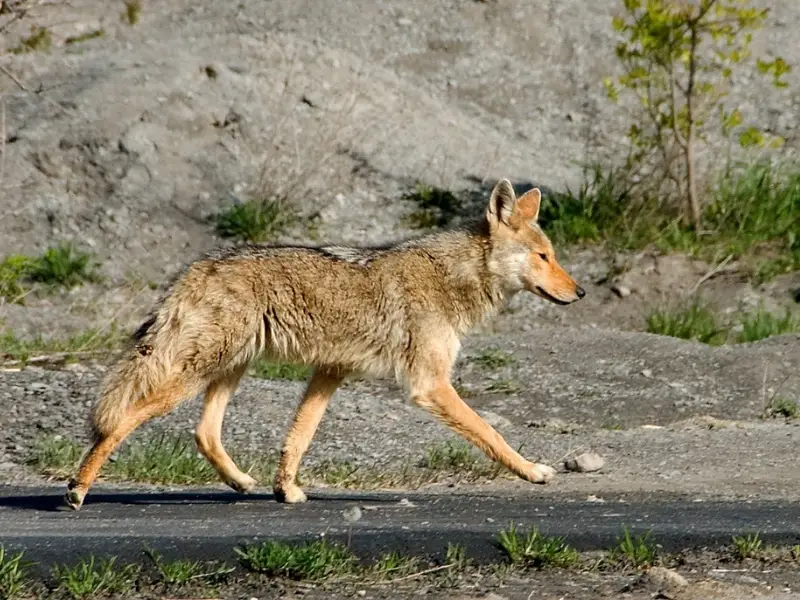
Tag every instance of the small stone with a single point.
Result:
(585, 463)
(623, 291)
(647, 373)
(665, 578)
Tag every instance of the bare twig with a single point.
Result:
(711, 273)
(13, 78)
(55, 357)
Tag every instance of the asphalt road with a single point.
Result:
(208, 524)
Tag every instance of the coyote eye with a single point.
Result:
(543, 257)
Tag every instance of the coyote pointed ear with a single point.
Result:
(528, 204)
(501, 203)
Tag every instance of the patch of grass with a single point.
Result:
(783, 407)
(767, 269)
(90, 578)
(263, 369)
(88, 341)
(762, 324)
(504, 386)
(393, 564)
(133, 11)
(83, 37)
(747, 546)
(253, 221)
(494, 358)
(459, 458)
(456, 555)
(64, 265)
(13, 271)
(167, 459)
(600, 208)
(40, 40)
(696, 322)
(636, 551)
(534, 549)
(436, 206)
(314, 561)
(181, 572)
(12, 574)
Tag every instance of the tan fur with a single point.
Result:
(395, 311)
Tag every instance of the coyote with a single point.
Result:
(398, 310)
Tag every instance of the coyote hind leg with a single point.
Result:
(208, 434)
(161, 401)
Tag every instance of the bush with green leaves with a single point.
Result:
(678, 60)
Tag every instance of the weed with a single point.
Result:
(253, 221)
(90, 340)
(458, 458)
(783, 407)
(83, 37)
(12, 574)
(636, 552)
(64, 265)
(762, 324)
(181, 572)
(456, 555)
(436, 206)
(133, 11)
(13, 270)
(393, 564)
(312, 561)
(494, 358)
(171, 460)
(693, 323)
(535, 549)
(747, 546)
(504, 386)
(87, 578)
(263, 369)
(40, 40)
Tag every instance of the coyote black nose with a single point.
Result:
(580, 292)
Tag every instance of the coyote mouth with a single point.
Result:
(550, 297)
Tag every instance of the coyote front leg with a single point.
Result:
(443, 402)
(306, 420)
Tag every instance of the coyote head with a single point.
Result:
(521, 256)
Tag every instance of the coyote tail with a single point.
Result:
(134, 377)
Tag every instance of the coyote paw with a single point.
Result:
(541, 473)
(74, 496)
(290, 494)
(242, 484)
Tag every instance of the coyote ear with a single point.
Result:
(528, 204)
(501, 203)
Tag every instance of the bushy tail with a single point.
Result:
(136, 376)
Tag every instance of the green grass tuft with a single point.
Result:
(263, 369)
(13, 271)
(40, 40)
(90, 340)
(762, 324)
(459, 458)
(83, 37)
(393, 565)
(693, 323)
(634, 551)
(783, 407)
(534, 549)
(747, 546)
(133, 11)
(89, 579)
(314, 561)
(494, 358)
(436, 207)
(64, 265)
(253, 221)
(182, 572)
(12, 574)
